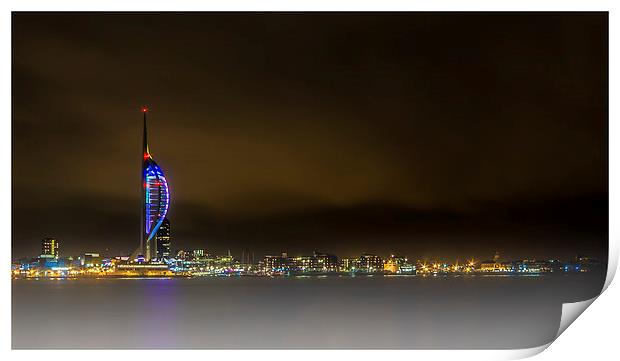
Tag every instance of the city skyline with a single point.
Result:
(392, 154)
(50, 248)
(200, 262)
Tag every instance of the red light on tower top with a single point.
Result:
(145, 109)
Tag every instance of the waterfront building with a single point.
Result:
(182, 255)
(407, 269)
(496, 265)
(347, 264)
(299, 264)
(142, 270)
(90, 259)
(317, 263)
(155, 199)
(224, 262)
(120, 260)
(204, 265)
(324, 262)
(162, 238)
(370, 263)
(393, 264)
(273, 263)
(49, 248)
(198, 253)
(535, 266)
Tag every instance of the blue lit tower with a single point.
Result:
(155, 199)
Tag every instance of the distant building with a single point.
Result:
(90, 260)
(182, 255)
(49, 248)
(202, 256)
(162, 238)
(395, 264)
(544, 266)
(145, 269)
(495, 265)
(299, 263)
(317, 263)
(347, 264)
(226, 261)
(273, 263)
(370, 263)
(324, 262)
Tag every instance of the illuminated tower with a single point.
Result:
(155, 199)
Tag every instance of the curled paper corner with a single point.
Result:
(479, 355)
(612, 265)
(570, 312)
(527, 352)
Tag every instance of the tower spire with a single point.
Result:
(145, 146)
(145, 156)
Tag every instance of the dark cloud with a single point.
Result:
(348, 132)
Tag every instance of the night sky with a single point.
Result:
(423, 134)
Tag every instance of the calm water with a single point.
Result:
(332, 312)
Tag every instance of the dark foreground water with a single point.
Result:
(332, 312)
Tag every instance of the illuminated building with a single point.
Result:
(49, 248)
(347, 264)
(495, 265)
(273, 263)
(155, 199)
(394, 263)
(299, 264)
(198, 253)
(370, 263)
(142, 270)
(90, 260)
(162, 238)
(323, 262)
(491, 266)
(317, 263)
(407, 269)
(534, 266)
(224, 261)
